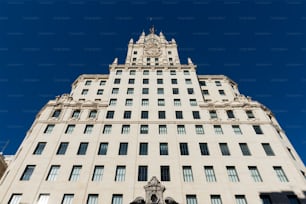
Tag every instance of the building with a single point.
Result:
(154, 122)
(3, 165)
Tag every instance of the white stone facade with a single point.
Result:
(121, 123)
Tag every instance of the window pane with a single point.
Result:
(27, 173)
(244, 149)
(204, 149)
(117, 199)
(268, 149)
(39, 148)
(257, 129)
(75, 173)
(15, 199)
(199, 129)
(265, 199)
(218, 129)
(184, 149)
(123, 148)
(165, 173)
(144, 129)
(125, 129)
(98, 173)
(82, 148)
(181, 129)
(280, 174)
(143, 149)
(107, 129)
(62, 148)
(43, 199)
(120, 173)
(162, 129)
(53, 172)
(92, 199)
(163, 148)
(240, 199)
(103, 149)
(187, 174)
(67, 199)
(232, 174)
(88, 129)
(49, 129)
(210, 174)
(215, 199)
(237, 129)
(255, 174)
(191, 199)
(142, 173)
(69, 129)
(224, 149)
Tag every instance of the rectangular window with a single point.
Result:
(145, 81)
(190, 90)
(132, 72)
(232, 174)
(237, 129)
(215, 199)
(175, 91)
(120, 173)
(56, 113)
(213, 114)
(82, 148)
(103, 148)
(218, 83)
(67, 199)
(119, 72)
(27, 173)
(188, 81)
(191, 199)
(92, 114)
(165, 173)
(230, 114)
(88, 129)
(280, 174)
(177, 102)
(117, 81)
(257, 129)
(265, 199)
(145, 72)
(131, 81)
(205, 92)
(196, 115)
(240, 199)
(110, 114)
(102, 83)
(84, 92)
(123, 148)
(290, 152)
(202, 83)
(221, 92)
(160, 81)
(75, 173)
(199, 129)
(245, 149)
(210, 174)
(100, 91)
(98, 173)
(107, 129)
(143, 149)
(49, 129)
(187, 174)
(162, 129)
(181, 129)
(125, 129)
(53, 172)
(144, 114)
(163, 148)
(159, 72)
(293, 199)
(145, 90)
(115, 90)
(161, 114)
(268, 149)
(62, 148)
(117, 199)
(218, 129)
(249, 114)
(128, 102)
(172, 72)
(127, 114)
(144, 129)
(112, 102)
(130, 91)
(92, 199)
(160, 91)
(39, 148)
(204, 148)
(76, 114)
(161, 102)
(145, 102)
(69, 129)
(142, 173)
(186, 72)
(224, 149)
(184, 149)
(173, 81)
(43, 199)
(15, 199)
(193, 102)
(179, 114)
(255, 174)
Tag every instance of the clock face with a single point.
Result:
(152, 47)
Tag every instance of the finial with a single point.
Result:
(115, 61)
(189, 60)
(152, 29)
(131, 40)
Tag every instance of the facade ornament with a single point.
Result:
(115, 61)
(152, 29)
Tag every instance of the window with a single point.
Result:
(204, 148)
(250, 114)
(117, 199)
(175, 91)
(118, 72)
(184, 149)
(98, 173)
(15, 199)
(27, 173)
(39, 148)
(144, 114)
(224, 149)
(48, 129)
(218, 83)
(205, 92)
(163, 148)
(142, 173)
(159, 72)
(193, 102)
(145, 102)
(110, 114)
(107, 129)
(62, 148)
(293, 199)
(268, 149)
(161, 102)
(145, 72)
(145, 81)
(162, 129)
(232, 174)
(125, 129)
(202, 83)
(143, 149)
(213, 114)
(181, 129)
(123, 148)
(162, 114)
(218, 129)
(210, 174)
(92, 114)
(199, 129)
(160, 91)
(102, 83)
(172, 72)
(100, 91)
(290, 152)
(237, 129)
(127, 114)
(191, 199)
(135, 52)
(177, 102)
(67, 199)
(165, 173)
(245, 149)
(53, 172)
(103, 148)
(115, 90)
(82, 148)
(173, 81)
(132, 72)
(188, 81)
(88, 129)
(160, 81)
(257, 129)
(230, 114)
(56, 113)
(120, 173)
(117, 81)
(76, 114)
(112, 102)
(144, 129)
(128, 102)
(187, 174)
(145, 90)
(131, 81)
(92, 199)
(190, 91)
(221, 92)
(75, 173)
(69, 129)
(215, 199)
(130, 91)
(255, 174)
(265, 199)
(179, 114)
(43, 198)
(240, 199)
(196, 114)
(280, 174)
(84, 92)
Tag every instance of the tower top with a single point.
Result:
(152, 29)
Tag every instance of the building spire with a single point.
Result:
(152, 29)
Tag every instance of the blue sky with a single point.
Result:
(46, 44)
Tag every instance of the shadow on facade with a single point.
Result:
(283, 197)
